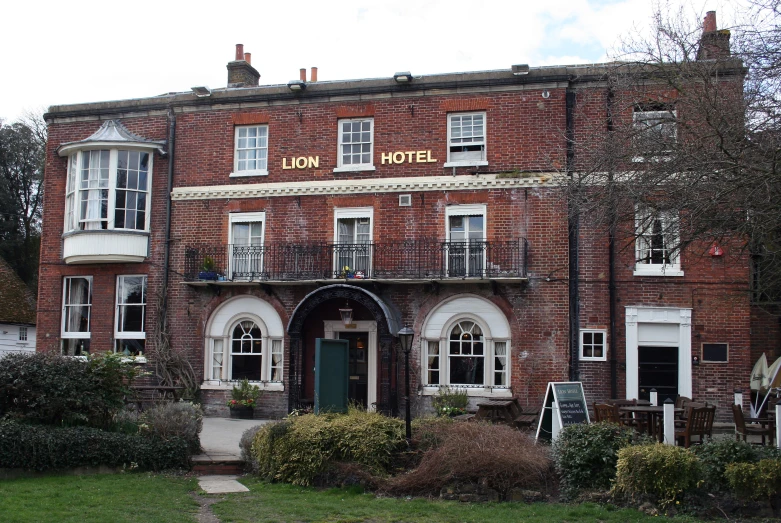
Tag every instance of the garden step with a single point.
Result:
(218, 467)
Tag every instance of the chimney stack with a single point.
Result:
(314, 75)
(714, 43)
(240, 72)
(302, 74)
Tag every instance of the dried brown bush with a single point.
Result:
(501, 456)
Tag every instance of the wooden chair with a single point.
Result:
(741, 429)
(699, 422)
(605, 412)
(681, 401)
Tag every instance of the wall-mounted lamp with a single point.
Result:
(346, 314)
(403, 77)
(201, 91)
(520, 69)
(296, 85)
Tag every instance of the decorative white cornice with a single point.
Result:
(372, 185)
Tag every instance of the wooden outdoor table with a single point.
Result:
(654, 417)
(496, 410)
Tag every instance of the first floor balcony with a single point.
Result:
(403, 261)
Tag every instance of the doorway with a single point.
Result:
(657, 369)
(358, 384)
(362, 337)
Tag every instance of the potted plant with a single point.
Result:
(207, 271)
(243, 400)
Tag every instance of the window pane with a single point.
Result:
(246, 367)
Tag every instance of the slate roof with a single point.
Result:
(112, 132)
(17, 302)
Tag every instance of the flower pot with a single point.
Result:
(242, 413)
(207, 275)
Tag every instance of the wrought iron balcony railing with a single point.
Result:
(404, 260)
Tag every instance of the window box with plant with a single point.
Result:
(244, 397)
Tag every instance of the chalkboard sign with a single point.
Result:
(572, 403)
(715, 352)
(565, 404)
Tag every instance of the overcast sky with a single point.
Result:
(62, 52)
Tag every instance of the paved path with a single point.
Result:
(220, 443)
(220, 437)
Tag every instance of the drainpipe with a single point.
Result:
(611, 261)
(166, 261)
(573, 226)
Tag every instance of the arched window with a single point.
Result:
(466, 349)
(246, 351)
(244, 345)
(466, 354)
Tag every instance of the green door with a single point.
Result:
(332, 358)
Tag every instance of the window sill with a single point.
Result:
(276, 386)
(242, 174)
(658, 270)
(354, 168)
(466, 163)
(494, 392)
(585, 359)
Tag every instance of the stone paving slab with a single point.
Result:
(220, 484)
(220, 437)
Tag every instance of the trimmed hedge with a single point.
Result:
(43, 448)
(55, 390)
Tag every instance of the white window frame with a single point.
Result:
(249, 172)
(467, 163)
(670, 237)
(603, 332)
(466, 210)
(76, 335)
(22, 333)
(130, 335)
(245, 217)
(354, 213)
(639, 116)
(489, 353)
(73, 190)
(360, 166)
(267, 345)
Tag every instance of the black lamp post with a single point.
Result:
(405, 337)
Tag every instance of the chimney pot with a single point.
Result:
(302, 74)
(709, 24)
(248, 58)
(239, 51)
(314, 75)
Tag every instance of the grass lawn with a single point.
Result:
(278, 502)
(137, 498)
(150, 498)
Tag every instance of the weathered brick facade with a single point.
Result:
(525, 126)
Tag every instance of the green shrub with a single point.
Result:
(299, 449)
(663, 471)
(245, 444)
(714, 457)
(43, 448)
(180, 419)
(755, 480)
(585, 455)
(54, 390)
(450, 401)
